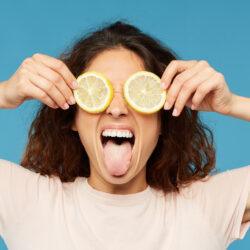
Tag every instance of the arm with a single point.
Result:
(40, 77)
(240, 108)
(206, 90)
(246, 216)
(2, 100)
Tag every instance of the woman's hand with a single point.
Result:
(197, 86)
(40, 77)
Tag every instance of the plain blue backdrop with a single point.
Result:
(216, 31)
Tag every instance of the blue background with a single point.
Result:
(216, 31)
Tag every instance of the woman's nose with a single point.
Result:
(118, 106)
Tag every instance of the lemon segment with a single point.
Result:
(143, 92)
(94, 93)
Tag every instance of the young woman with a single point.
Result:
(70, 196)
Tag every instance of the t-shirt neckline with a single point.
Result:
(116, 199)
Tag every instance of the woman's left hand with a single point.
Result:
(197, 85)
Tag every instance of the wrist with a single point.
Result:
(2, 98)
(240, 107)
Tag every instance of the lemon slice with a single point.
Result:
(143, 92)
(94, 93)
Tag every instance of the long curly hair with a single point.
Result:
(184, 153)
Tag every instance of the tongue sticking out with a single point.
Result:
(117, 157)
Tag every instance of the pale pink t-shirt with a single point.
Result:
(42, 213)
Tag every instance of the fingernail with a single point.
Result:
(175, 112)
(66, 106)
(167, 105)
(75, 85)
(72, 100)
(193, 107)
(162, 85)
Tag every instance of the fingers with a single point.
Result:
(54, 77)
(181, 95)
(201, 92)
(50, 90)
(44, 78)
(32, 92)
(191, 76)
(59, 67)
(175, 67)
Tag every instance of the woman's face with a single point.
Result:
(114, 168)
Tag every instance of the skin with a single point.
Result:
(197, 86)
(118, 65)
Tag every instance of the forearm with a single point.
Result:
(2, 100)
(240, 108)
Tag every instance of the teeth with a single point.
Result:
(117, 133)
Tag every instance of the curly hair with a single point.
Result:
(184, 152)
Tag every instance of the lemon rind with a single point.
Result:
(107, 85)
(134, 105)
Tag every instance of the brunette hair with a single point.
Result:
(184, 153)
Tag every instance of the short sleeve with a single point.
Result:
(223, 199)
(20, 191)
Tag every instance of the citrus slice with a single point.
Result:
(143, 92)
(94, 93)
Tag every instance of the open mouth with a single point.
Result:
(117, 136)
(118, 147)
(117, 140)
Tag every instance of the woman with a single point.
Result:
(167, 197)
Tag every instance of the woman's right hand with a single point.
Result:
(40, 77)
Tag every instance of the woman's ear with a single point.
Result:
(160, 124)
(73, 127)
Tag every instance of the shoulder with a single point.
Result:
(218, 186)
(228, 177)
(6, 162)
(7, 166)
(10, 169)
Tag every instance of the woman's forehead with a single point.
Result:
(116, 64)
